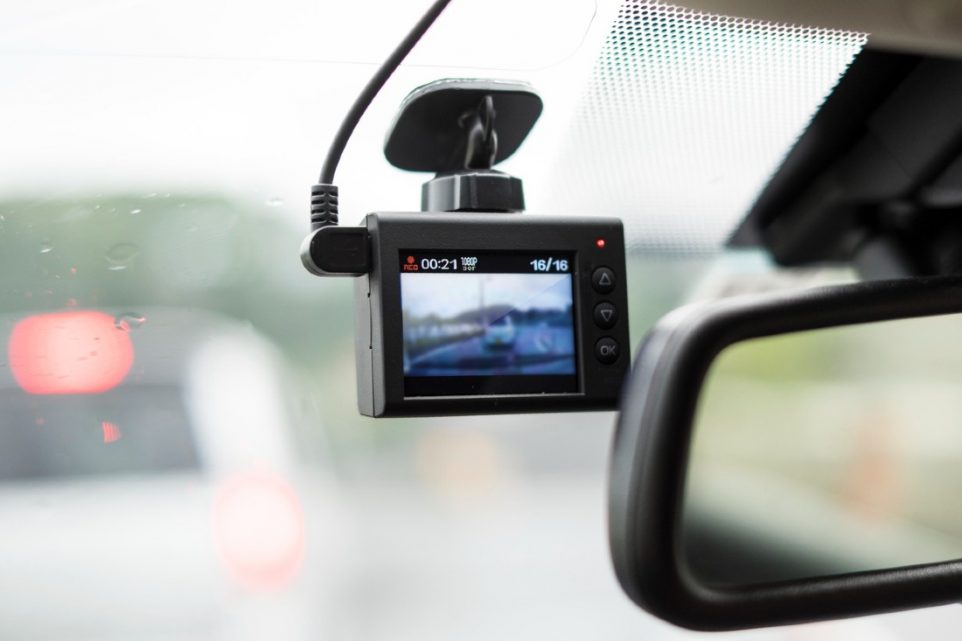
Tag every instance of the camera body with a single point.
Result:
(490, 313)
(470, 307)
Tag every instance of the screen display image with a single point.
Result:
(488, 323)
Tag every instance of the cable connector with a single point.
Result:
(330, 250)
(337, 251)
(323, 205)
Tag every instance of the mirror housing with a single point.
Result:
(650, 459)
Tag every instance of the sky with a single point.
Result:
(448, 295)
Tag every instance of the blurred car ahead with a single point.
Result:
(500, 333)
(149, 465)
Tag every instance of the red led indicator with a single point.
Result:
(600, 243)
(410, 260)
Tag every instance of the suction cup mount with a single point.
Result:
(459, 129)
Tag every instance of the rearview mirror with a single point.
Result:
(793, 458)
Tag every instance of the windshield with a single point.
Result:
(156, 169)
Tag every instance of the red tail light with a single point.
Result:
(111, 431)
(79, 352)
(259, 529)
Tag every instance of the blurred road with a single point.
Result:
(537, 349)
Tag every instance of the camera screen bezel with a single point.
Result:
(379, 334)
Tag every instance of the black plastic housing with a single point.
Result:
(484, 191)
(876, 179)
(379, 335)
(428, 135)
(651, 449)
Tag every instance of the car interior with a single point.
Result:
(609, 319)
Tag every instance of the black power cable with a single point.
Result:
(324, 197)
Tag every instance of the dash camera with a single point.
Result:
(473, 314)
(469, 306)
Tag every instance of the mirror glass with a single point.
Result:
(827, 452)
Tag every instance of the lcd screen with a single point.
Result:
(488, 323)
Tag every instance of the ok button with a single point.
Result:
(606, 350)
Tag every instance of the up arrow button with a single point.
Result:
(603, 280)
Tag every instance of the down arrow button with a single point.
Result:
(606, 315)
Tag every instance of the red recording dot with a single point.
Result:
(600, 243)
(410, 260)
